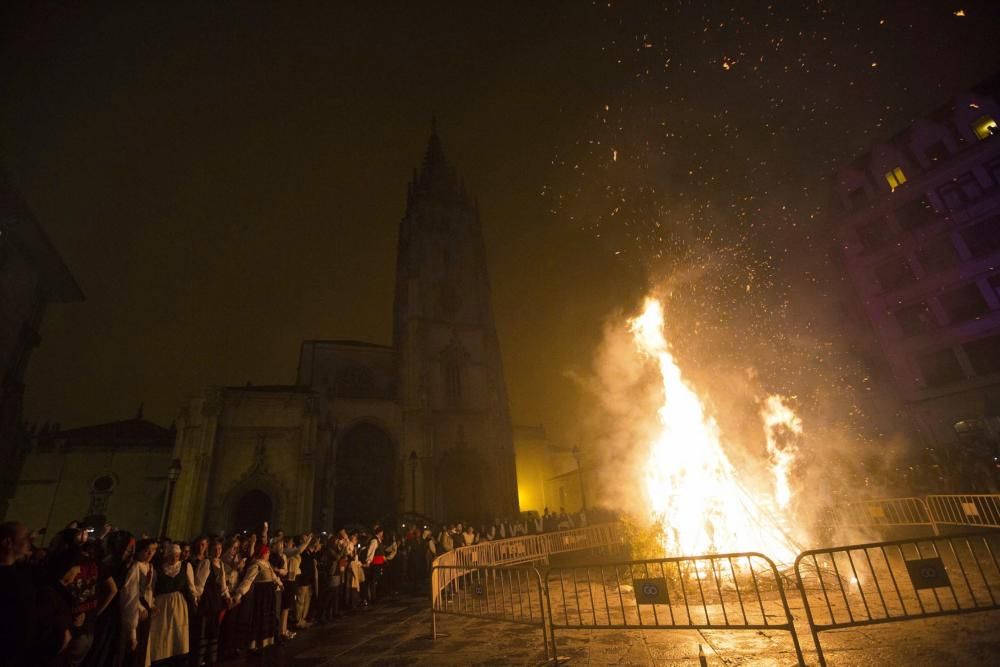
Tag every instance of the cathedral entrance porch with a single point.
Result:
(365, 477)
(251, 510)
(462, 486)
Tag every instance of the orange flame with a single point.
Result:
(689, 484)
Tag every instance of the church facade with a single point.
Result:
(368, 431)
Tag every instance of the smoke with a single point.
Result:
(788, 435)
(621, 422)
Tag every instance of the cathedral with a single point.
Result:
(369, 431)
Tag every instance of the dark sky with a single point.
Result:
(225, 180)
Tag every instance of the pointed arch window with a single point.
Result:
(453, 360)
(453, 382)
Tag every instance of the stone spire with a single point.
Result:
(435, 180)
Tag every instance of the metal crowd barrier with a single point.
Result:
(881, 512)
(510, 594)
(884, 582)
(517, 551)
(981, 510)
(738, 591)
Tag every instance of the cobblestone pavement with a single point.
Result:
(398, 633)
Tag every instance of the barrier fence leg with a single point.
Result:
(819, 648)
(434, 634)
(545, 640)
(809, 617)
(548, 612)
(791, 629)
(541, 611)
(798, 649)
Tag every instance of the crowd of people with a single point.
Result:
(107, 598)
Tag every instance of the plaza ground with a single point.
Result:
(398, 633)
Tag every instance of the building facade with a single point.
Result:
(32, 275)
(921, 241)
(107, 473)
(552, 476)
(370, 431)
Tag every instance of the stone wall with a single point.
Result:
(57, 485)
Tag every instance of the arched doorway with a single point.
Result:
(364, 474)
(461, 482)
(252, 509)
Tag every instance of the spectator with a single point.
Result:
(199, 554)
(54, 608)
(290, 555)
(17, 595)
(137, 603)
(374, 563)
(109, 642)
(99, 600)
(210, 580)
(173, 588)
(307, 583)
(235, 621)
(263, 585)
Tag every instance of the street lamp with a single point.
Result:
(579, 472)
(173, 473)
(413, 481)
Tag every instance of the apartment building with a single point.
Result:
(920, 235)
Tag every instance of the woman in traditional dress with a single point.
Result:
(169, 641)
(236, 621)
(214, 600)
(261, 585)
(199, 554)
(108, 646)
(137, 604)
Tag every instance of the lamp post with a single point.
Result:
(173, 473)
(579, 472)
(413, 481)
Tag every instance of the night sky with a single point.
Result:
(225, 181)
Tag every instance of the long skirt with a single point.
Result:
(108, 649)
(208, 618)
(168, 633)
(140, 656)
(235, 631)
(264, 618)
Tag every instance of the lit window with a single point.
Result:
(895, 178)
(985, 127)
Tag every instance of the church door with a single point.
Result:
(462, 486)
(252, 509)
(364, 477)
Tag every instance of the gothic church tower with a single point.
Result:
(451, 386)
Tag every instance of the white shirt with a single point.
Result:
(259, 569)
(294, 556)
(205, 571)
(138, 587)
(372, 547)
